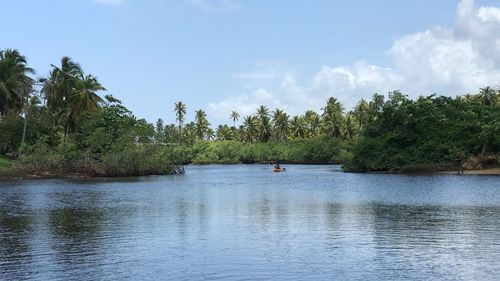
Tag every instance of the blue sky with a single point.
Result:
(223, 55)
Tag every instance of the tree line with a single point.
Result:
(65, 120)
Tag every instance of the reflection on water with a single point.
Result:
(245, 222)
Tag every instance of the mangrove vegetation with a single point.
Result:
(66, 124)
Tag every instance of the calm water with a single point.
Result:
(247, 223)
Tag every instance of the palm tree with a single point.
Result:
(488, 96)
(298, 127)
(234, 116)
(361, 112)
(60, 85)
(280, 124)
(350, 125)
(224, 133)
(264, 126)
(201, 123)
(70, 93)
(333, 118)
(15, 83)
(262, 112)
(313, 123)
(250, 128)
(189, 133)
(210, 134)
(84, 99)
(180, 112)
(159, 131)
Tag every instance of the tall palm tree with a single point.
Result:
(280, 124)
(250, 128)
(201, 123)
(15, 83)
(234, 116)
(262, 112)
(264, 127)
(298, 127)
(70, 93)
(333, 117)
(313, 123)
(361, 112)
(60, 85)
(180, 113)
(84, 99)
(350, 125)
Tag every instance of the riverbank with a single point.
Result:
(15, 170)
(488, 172)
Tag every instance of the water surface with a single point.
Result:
(244, 222)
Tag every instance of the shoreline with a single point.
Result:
(13, 174)
(485, 172)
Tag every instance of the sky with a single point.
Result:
(225, 55)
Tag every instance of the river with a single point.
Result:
(244, 222)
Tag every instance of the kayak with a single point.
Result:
(277, 170)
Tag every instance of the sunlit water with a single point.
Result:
(248, 223)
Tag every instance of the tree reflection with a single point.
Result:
(16, 228)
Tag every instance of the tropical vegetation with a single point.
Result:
(64, 124)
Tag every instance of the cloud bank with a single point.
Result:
(452, 61)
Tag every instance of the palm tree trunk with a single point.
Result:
(24, 128)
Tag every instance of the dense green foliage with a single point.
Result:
(308, 151)
(430, 130)
(62, 124)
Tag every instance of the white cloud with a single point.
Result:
(489, 14)
(109, 2)
(451, 61)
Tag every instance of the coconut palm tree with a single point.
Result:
(234, 116)
(333, 117)
(224, 133)
(262, 112)
(350, 125)
(313, 123)
(180, 113)
(15, 83)
(264, 126)
(83, 99)
(488, 96)
(70, 94)
(60, 85)
(201, 123)
(361, 112)
(280, 125)
(298, 127)
(250, 128)
(189, 133)
(210, 134)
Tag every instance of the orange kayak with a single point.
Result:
(277, 170)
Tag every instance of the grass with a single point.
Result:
(6, 168)
(4, 163)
